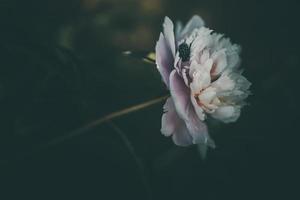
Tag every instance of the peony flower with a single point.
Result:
(201, 70)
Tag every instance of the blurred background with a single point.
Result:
(61, 67)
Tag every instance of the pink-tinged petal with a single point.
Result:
(206, 99)
(177, 62)
(199, 111)
(182, 136)
(169, 34)
(195, 22)
(170, 119)
(219, 62)
(198, 130)
(208, 95)
(183, 105)
(173, 125)
(164, 59)
(180, 94)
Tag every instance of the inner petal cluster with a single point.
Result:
(207, 62)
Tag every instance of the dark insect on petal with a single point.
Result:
(184, 51)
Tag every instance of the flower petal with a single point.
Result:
(220, 62)
(199, 111)
(241, 82)
(169, 34)
(207, 95)
(185, 110)
(170, 119)
(178, 28)
(224, 82)
(180, 94)
(164, 59)
(208, 99)
(232, 50)
(232, 87)
(182, 137)
(227, 114)
(198, 129)
(173, 125)
(233, 56)
(193, 23)
(200, 75)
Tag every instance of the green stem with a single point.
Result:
(101, 120)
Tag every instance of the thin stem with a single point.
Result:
(135, 157)
(106, 118)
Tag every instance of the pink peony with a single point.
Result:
(200, 68)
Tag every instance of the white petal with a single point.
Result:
(185, 76)
(193, 23)
(178, 29)
(169, 34)
(232, 87)
(207, 95)
(200, 75)
(224, 83)
(204, 56)
(233, 56)
(220, 62)
(227, 114)
(241, 82)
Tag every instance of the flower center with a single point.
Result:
(184, 51)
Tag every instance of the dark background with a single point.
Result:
(61, 67)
